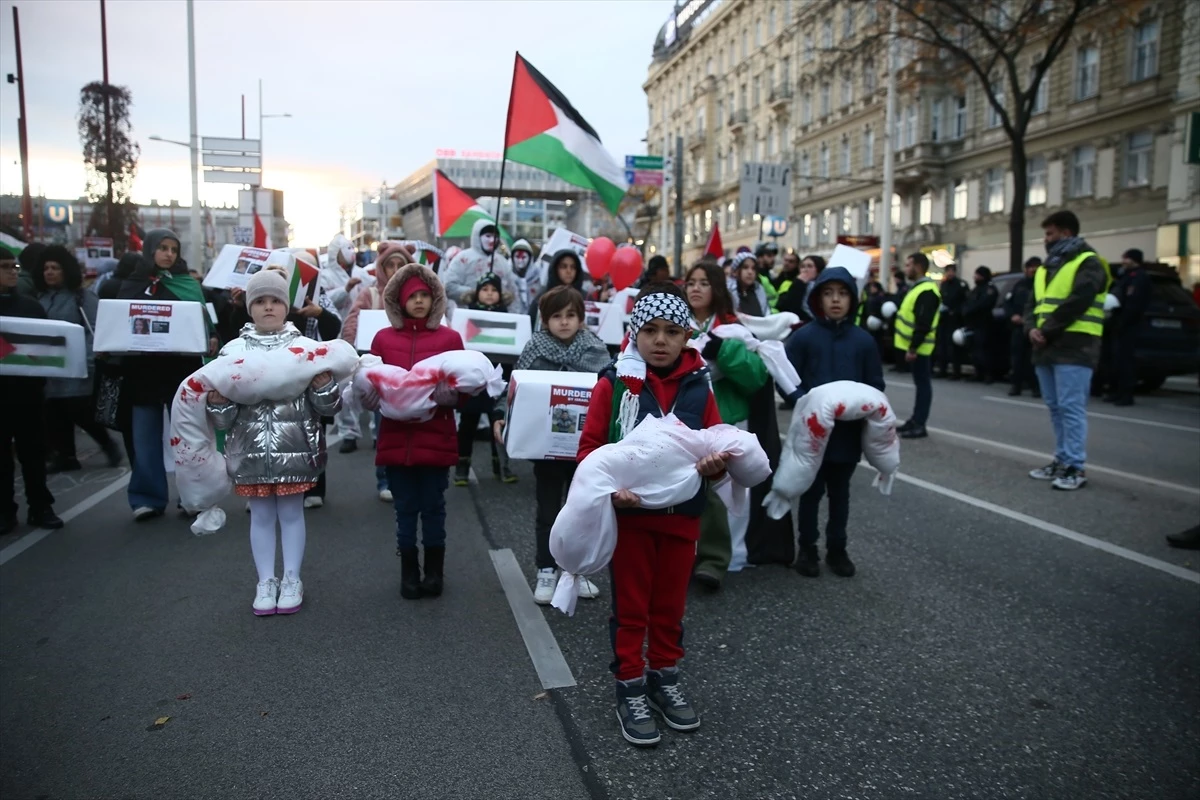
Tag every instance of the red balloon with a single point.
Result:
(599, 254)
(625, 267)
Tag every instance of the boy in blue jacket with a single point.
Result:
(833, 348)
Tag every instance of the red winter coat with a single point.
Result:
(416, 444)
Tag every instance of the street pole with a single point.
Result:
(26, 199)
(260, 135)
(194, 238)
(677, 267)
(889, 159)
(662, 203)
(113, 230)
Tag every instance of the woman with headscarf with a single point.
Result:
(151, 380)
(58, 282)
(747, 291)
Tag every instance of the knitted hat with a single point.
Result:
(267, 283)
(411, 286)
(388, 249)
(489, 278)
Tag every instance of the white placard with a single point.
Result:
(42, 348)
(546, 413)
(856, 262)
(150, 326)
(492, 332)
(562, 239)
(370, 322)
(234, 265)
(606, 320)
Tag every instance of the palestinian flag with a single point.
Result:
(32, 350)
(545, 131)
(454, 211)
(11, 244)
(480, 332)
(303, 277)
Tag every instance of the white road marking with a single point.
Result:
(1057, 530)
(1095, 414)
(30, 539)
(543, 648)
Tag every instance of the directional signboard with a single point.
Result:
(231, 160)
(765, 189)
(644, 170)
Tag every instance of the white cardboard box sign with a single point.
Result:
(370, 322)
(606, 320)
(42, 348)
(493, 332)
(151, 326)
(234, 265)
(546, 413)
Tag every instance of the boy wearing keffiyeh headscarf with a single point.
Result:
(655, 375)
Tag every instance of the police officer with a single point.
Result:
(1020, 350)
(954, 293)
(915, 323)
(977, 317)
(1132, 289)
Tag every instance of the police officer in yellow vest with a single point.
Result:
(915, 324)
(1064, 320)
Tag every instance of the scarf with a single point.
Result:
(182, 285)
(1062, 251)
(631, 367)
(585, 353)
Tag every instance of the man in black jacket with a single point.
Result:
(1019, 348)
(977, 317)
(954, 294)
(1132, 289)
(20, 423)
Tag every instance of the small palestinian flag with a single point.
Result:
(545, 131)
(32, 350)
(491, 332)
(455, 212)
(303, 276)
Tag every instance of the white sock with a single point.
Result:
(262, 536)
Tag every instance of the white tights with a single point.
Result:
(289, 511)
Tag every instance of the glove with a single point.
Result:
(370, 398)
(443, 395)
(712, 348)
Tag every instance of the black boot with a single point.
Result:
(410, 573)
(462, 473)
(809, 563)
(435, 558)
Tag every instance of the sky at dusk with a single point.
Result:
(373, 87)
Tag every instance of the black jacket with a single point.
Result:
(977, 310)
(795, 300)
(1014, 303)
(954, 294)
(21, 389)
(1133, 290)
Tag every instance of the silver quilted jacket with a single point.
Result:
(275, 442)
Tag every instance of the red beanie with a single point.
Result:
(411, 286)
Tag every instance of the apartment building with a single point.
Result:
(804, 83)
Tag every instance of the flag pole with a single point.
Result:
(503, 161)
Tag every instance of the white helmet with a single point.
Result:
(889, 310)
(961, 337)
(874, 323)
(1111, 302)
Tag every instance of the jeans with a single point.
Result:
(922, 376)
(381, 480)
(553, 480)
(419, 490)
(1065, 389)
(834, 480)
(148, 476)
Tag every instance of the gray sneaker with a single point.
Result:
(1048, 472)
(666, 697)
(633, 712)
(1070, 480)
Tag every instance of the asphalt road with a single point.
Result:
(1001, 640)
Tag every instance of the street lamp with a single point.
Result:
(194, 235)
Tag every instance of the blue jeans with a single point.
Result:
(922, 376)
(419, 490)
(148, 474)
(1065, 389)
(381, 480)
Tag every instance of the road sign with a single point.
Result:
(765, 189)
(246, 146)
(644, 162)
(644, 177)
(253, 161)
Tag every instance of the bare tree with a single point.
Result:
(110, 155)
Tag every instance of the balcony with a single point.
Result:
(737, 121)
(781, 98)
(696, 141)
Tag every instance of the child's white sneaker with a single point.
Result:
(385, 495)
(291, 595)
(314, 502)
(587, 589)
(265, 600)
(547, 580)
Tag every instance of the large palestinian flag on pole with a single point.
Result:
(454, 211)
(545, 131)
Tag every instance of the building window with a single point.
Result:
(845, 154)
(994, 191)
(848, 23)
(926, 208)
(771, 141)
(708, 66)
(935, 120)
(787, 71)
(869, 148)
(827, 234)
(745, 44)
(717, 165)
(1083, 171)
(806, 116)
(808, 230)
(700, 126)
(825, 99)
(720, 113)
(872, 14)
(866, 216)
(827, 33)
(771, 22)
(808, 47)
(742, 97)
(732, 55)
(959, 107)
(1041, 100)
(870, 77)
(758, 33)
(1035, 194)
(993, 116)
(847, 89)
(731, 165)
(847, 218)
(757, 90)
(960, 199)
(1138, 149)
(1087, 72)
(805, 169)
(1145, 51)
(824, 161)
(895, 211)
(910, 125)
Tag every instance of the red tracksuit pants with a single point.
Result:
(650, 576)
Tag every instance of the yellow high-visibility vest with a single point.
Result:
(906, 318)
(1047, 298)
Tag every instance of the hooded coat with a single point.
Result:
(67, 302)
(826, 351)
(581, 284)
(334, 276)
(152, 379)
(433, 443)
(466, 268)
(529, 285)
